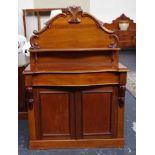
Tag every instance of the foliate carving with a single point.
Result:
(74, 11)
(121, 97)
(29, 92)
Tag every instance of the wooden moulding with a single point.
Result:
(74, 49)
(121, 69)
(81, 143)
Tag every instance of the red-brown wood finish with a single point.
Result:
(99, 112)
(56, 114)
(75, 84)
(127, 39)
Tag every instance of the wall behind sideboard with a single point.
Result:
(85, 4)
(105, 10)
(22, 4)
(31, 21)
(108, 10)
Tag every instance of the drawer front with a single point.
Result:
(84, 79)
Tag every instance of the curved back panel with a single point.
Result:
(73, 29)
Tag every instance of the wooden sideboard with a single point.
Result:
(127, 39)
(75, 84)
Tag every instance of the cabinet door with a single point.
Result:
(55, 114)
(96, 112)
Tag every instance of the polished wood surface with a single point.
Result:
(80, 143)
(127, 39)
(56, 114)
(75, 84)
(79, 60)
(84, 79)
(99, 112)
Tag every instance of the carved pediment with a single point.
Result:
(73, 28)
(74, 11)
(115, 23)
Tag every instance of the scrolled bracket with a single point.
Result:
(121, 95)
(33, 41)
(29, 92)
(114, 41)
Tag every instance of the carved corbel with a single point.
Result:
(33, 41)
(114, 41)
(29, 92)
(121, 95)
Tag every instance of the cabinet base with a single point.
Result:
(86, 143)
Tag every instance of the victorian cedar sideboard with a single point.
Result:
(75, 84)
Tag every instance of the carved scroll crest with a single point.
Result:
(73, 15)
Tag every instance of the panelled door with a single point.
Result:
(97, 112)
(77, 114)
(56, 115)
